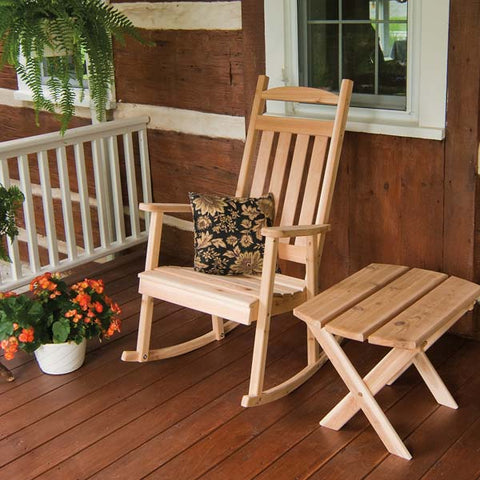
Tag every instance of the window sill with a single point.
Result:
(374, 121)
(432, 133)
(26, 96)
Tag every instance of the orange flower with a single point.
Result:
(83, 299)
(7, 295)
(26, 335)
(10, 346)
(98, 307)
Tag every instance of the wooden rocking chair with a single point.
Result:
(307, 151)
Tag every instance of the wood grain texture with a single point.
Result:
(20, 122)
(396, 197)
(461, 142)
(186, 163)
(113, 420)
(462, 216)
(8, 78)
(195, 70)
(253, 43)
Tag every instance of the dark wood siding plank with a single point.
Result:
(189, 69)
(182, 163)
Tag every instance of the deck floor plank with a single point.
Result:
(181, 418)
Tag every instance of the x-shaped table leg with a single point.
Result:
(362, 391)
(362, 396)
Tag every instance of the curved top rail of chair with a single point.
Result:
(301, 95)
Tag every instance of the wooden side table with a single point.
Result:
(394, 306)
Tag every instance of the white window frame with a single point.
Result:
(425, 115)
(24, 93)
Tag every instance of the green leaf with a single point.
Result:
(5, 330)
(61, 330)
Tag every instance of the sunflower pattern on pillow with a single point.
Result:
(227, 233)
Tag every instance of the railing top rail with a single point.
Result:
(48, 141)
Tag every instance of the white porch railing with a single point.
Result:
(81, 196)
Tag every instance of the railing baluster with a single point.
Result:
(131, 184)
(107, 184)
(116, 188)
(13, 251)
(100, 190)
(66, 203)
(84, 198)
(108, 197)
(145, 169)
(48, 212)
(29, 213)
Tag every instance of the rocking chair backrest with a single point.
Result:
(296, 159)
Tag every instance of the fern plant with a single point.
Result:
(10, 201)
(73, 28)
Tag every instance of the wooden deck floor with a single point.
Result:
(181, 419)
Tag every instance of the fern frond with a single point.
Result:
(74, 28)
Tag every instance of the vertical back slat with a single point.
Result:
(13, 251)
(280, 165)
(145, 169)
(131, 183)
(29, 213)
(116, 189)
(314, 178)
(100, 191)
(66, 203)
(81, 171)
(261, 168)
(295, 180)
(48, 212)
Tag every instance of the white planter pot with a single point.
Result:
(60, 358)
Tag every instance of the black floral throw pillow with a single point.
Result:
(227, 236)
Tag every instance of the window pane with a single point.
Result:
(323, 56)
(359, 56)
(322, 10)
(357, 9)
(364, 40)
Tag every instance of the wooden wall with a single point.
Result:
(398, 200)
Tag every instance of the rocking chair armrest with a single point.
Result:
(295, 230)
(166, 207)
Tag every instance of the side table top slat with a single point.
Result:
(342, 296)
(413, 326)
(369, 315)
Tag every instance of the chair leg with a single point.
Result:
(217, 327)
(259, 359)
(313, 348)
(144, 332)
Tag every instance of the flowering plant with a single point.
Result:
(55, 313)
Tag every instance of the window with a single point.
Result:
(363, 41)
(24, 93)
(395, 51)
